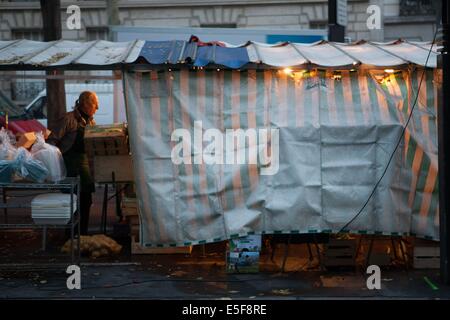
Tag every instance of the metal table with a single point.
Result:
(70, 185)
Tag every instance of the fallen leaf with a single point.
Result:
(283, 292)
(179, 273)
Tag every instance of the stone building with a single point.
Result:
(411, 19)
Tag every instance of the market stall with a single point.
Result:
(326, 121)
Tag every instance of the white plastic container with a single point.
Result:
(52, 208)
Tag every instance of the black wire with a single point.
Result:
(117, 193)
(399, 140)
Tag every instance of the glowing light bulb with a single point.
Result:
(287, 71)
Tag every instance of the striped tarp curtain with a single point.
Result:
(335, 139)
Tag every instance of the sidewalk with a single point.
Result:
(200, 275)
(162, 281)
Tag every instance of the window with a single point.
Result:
(218, 25)
(96, 33)
(29, 34)
(38, 110)
(318, 25)
(417, 7)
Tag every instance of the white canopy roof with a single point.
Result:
(332, 54)
(63, 52)
(321, 54)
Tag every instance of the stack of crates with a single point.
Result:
(131, 214)
(108, 147)
(426, 254)
(340, 253)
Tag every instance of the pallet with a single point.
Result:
(136, 248)
(340, 253)
(134, 224)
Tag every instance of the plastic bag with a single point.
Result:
(6, 171)
(51, 157)
(26, 167)
(7, 150)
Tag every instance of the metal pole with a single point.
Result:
(5, 199)
(336, 32)
(444, 150)
(56, 94)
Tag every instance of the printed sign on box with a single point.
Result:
(243, 262)
(248, 243)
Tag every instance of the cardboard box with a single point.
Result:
(243, 262)
(248, 243)
(46, 133)
(104, 140)
(26, 139)
(121, 165)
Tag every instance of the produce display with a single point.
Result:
(7, 150)
(95, 246)
(44, 162)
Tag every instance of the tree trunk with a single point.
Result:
(56, 93)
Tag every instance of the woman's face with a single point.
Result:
(90, 105)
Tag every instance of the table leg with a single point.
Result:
(286, 251)
(104, 209)
(5, 210)
(44, 238)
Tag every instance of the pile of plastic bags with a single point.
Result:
(95, 246)
(44, 162)
(50, 156)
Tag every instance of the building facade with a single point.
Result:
(410, 19)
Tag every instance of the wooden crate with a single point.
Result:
(106, 140)
(130, 190)
(426, 257)
(121, 165)
(129, 206)
(340, 253)
(136, 248)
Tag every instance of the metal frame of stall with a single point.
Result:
(70, 185)
(142, 67)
